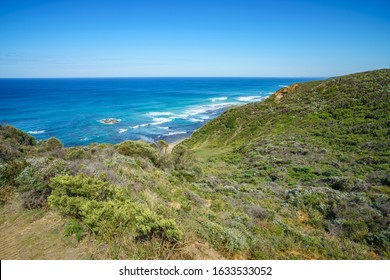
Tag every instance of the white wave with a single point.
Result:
(195, 120)
(155, 114)
(214, 99)
(160, 120)
(139, 125)
(197, 111)
(122, 130)
(221, 105)
(84, 139)
(204, 109)
(282, 86)
(249, 98)
(36, 131)
(179, 116)
(175, 133)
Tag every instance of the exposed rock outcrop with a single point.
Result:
(283, 91)
(110, 121)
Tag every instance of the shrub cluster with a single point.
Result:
(108, 210)
(138, 148)
(33, 181)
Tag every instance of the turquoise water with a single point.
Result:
(146, 108)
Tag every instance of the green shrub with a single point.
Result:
(107, 210)
(346, 184)
(149, 224)
(230, 239)
(349, 215)
(74, 228)
(39, 171)
(182, 157)
(33, 181)
(381, 177)
(10, 171)
(75, 154)
(14, 143)
(53, 144)
(138, 148)
(380, 239)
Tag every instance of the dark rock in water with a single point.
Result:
(110, 121)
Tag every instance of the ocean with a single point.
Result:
(80, 111)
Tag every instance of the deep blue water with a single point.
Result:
(147, 108)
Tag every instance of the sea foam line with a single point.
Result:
(36, 131)
(160, 120)
(175, 133)
(155, 114)
(203, 109)
(249, 98)
(214, 99)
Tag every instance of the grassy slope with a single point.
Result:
(338, 126)
(332, 133)
(303, 177)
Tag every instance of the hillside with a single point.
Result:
(305, 174)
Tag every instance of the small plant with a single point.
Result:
(74, 228)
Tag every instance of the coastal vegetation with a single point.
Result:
(304, 174)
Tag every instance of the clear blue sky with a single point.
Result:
(118, 38)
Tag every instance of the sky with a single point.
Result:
(205, 38)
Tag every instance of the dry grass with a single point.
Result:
(37, 234)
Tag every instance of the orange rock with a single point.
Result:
(283, 91)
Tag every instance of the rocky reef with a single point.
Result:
(109, 121)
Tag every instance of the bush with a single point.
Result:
(381, 177)
(258, 213)
(35, 198)
(231, 239)
(182, 158)
(138, 148)
(74, 228)
(149, 224)
(33, 181)
(380, 239)
(10, 171)
(14, 143)
(107, 210)
(346, 184)
(81, 186)
(74, 154)
(53, 144)
(344, 214)
(39, 171)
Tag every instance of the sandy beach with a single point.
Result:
(173, 144)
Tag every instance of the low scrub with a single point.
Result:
(108, 211)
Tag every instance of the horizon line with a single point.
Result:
(164, 77)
